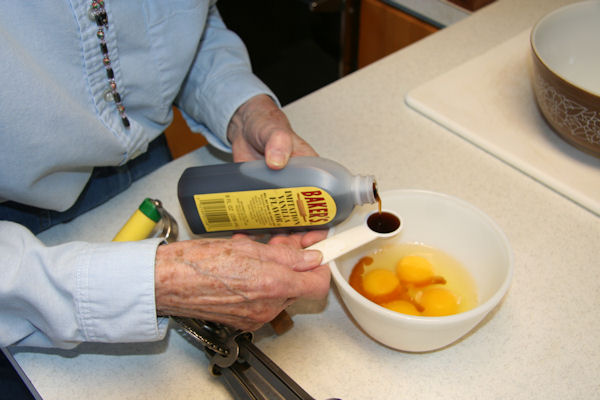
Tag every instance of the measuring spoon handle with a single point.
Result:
(344, 242)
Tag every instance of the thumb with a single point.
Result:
(311, 260)
(278, 149)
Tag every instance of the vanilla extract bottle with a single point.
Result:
(309, 193)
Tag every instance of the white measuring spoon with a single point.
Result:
(373, 227)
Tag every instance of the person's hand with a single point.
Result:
(237, 281)
(260, 129)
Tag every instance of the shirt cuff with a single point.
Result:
(219, 101)
(115, 298)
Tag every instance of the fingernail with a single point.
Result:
(312, 257)
(278, 159)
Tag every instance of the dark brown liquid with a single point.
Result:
(377, 197)
(383, 222)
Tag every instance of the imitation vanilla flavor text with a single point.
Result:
(309, 193)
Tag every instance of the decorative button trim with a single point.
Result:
(98, 14)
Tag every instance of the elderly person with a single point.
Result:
(88, 87)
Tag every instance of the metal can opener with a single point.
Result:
(245, 369)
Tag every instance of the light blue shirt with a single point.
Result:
(57, 125)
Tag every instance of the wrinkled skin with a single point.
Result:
(238, 281)
(259, 129)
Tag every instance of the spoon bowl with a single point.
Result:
(384, 224)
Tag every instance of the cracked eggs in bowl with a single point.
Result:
(435, 228)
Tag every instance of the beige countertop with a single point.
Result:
(542, 342)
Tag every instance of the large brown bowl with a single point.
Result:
(566, 73)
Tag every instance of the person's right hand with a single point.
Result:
(237, 281)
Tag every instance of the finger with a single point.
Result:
(278, 149)
(238, 322)
(293, 240)
(312, 237)
(313, 284)
(246, 316)
(243, 151)
(291, 256)
(300, 239)
(302, 148)
(256, 237)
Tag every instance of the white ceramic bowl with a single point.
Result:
(566, 72)
(450, 225)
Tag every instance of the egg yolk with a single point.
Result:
(414, 269)
(438, 302)
(402, 306)
(379, 282)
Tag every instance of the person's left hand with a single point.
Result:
(237, 281)
(260, 129)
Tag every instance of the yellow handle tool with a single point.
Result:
(141, 223)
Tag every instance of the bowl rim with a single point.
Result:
(538, 56)
(480, 309)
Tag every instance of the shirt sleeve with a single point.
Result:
(62, 295)
(219, 82)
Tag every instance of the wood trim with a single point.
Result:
(180, 139)
(471, 5)
(385, 29)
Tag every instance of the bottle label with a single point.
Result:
(268, 208)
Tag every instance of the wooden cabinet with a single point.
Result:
(384, 29)
(180, 139)
(472, 5)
